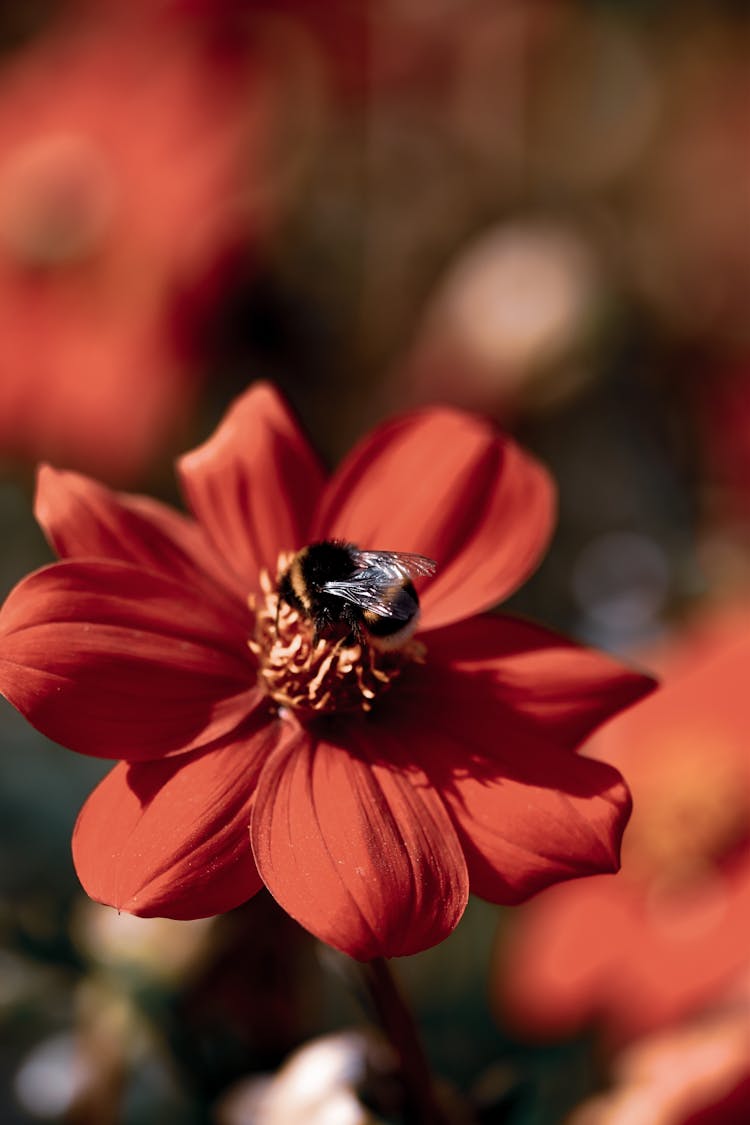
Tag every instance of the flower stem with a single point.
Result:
(398, 1024)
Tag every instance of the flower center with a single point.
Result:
(56, 201)
(318, 675)
(691, 815)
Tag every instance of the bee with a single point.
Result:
(355, 595)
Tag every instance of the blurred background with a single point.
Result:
(537, 209)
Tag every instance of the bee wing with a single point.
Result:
(396, 564)
(369, 590)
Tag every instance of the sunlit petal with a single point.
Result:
(83, 519)
(254, 484)
(171, 839)
(449, 486)
(361, 854)
(119, 662)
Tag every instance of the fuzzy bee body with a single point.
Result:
(348, 593)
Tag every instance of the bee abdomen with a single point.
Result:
(394, 630)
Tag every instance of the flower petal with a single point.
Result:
(554, 818)
(82, 518)
(563, 958)
(171, 838)
(119, 662)
(527, 813)
(361, 854)
(449, 486)
(254, 484)
(545, 684)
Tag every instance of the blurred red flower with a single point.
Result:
(697, 1073)
(666, 936)
(123, 151)
(371, 812)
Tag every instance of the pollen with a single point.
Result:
(312, 676)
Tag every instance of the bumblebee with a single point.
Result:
(355, 595)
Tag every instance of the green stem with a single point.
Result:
(398, 1024)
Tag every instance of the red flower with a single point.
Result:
(697, 1073)
(123, 149)
(369, 819)
(666, 936)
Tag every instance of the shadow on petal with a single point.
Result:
(171, 838)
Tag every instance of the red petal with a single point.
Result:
(564, 957)
(448, 486)
(118, 662)
(82, 518)
(620, 950)
(527, 824)
(254, 484)
(527, 813)
(545, 684)
(171, 838)
(363, 855)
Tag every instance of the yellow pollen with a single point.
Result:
(310, 677)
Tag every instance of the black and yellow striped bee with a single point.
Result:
(355, 595)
